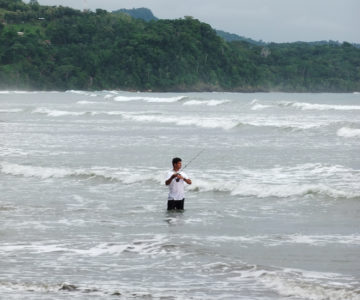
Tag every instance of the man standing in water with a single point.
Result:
(175, 180)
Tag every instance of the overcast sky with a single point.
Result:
(267, 20)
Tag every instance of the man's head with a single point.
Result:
(176, 162)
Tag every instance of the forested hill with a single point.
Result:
(138, 13)
(147, 15)
(47, 48)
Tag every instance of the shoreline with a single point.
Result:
(182, 90)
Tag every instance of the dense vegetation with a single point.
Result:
(48, 47)
(138, 13)
(231, 37)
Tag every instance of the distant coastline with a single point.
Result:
(59, 48)
(179, 91)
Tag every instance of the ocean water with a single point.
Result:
(273, 211)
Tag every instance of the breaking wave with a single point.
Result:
(210, 122)
(333, 181)
(297, 283)
(58, 113)
(149, 99)
(275, 240)
(123, 175)
(281, 182)
(314, 106)
(11, 110)
(255, 105)
(185, 121)
(308, 285)
(84, 102)
(52, 289)
(272, 190)
(206, 102)
(348, 132)
(85, 93)
(144, 246)
(148, 117)
(20, 92)
(226, 123)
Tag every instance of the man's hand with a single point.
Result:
(175, 175)
(178, 176)
(187, 180)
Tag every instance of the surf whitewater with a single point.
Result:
(272, 212)
(310, 179)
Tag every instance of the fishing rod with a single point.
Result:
(195, 157)
(191, 160)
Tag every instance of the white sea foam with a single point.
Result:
(110, 113)
(149, 99)
(84, 93)
(271, 189)
(259, 106)
(36, 290)
(288, 190)
(26, 92)
(307, 179)
(8, 151)
(283, 121)
(28, 286)
(184, 120)
(34, 171)
(291, 239)
(348, 132)
(156, 244)
(88, 102)
(197, 120)
(206, 102)
(292, 283)
(314, 106)
(77, 92)
(229, 122)
(126, 99)
(255, 105)
(308, 285)
(123, 175)
(223, 123)
(57, 113)
(321, 240)
(11, 110)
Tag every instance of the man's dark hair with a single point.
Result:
(176, 160)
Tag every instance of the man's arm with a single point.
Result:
(167, 182)
(187, 180)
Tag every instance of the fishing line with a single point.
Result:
(196, 156)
